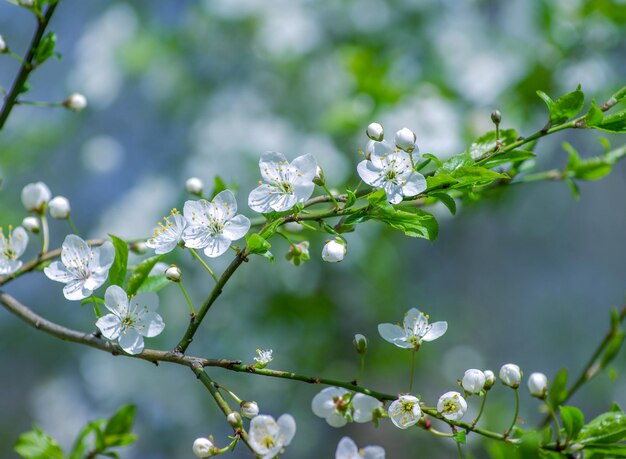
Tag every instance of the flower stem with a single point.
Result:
(362, 369)
(45, 233)
(195, 254)
(412, 369)
(70, 222)
(182, 289)
(96, 308)
(508, 431)
(458, 448)
(556, 422)
(332, 198)
(480, 412)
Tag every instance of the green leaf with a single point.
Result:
(412, 221)
(573, 420)
(613, 123)
(452, 164)
(573, 188)
(433, 158)
(257, 244)
(154, 283)
(81, 445)
(377, 197)
(513, 156)
(487, 143)
(140, 274)
(565, 107)
(471, 176)
(558, 389)
(612, 349)
(460, 437)
(616, 407)
(442, 180)
(37, 444)
(593, 168)
(351, 198)
(89, 300)
(446, 200)
(218, 186)
(608, 427)
(45, 48)
(598, 451)
(117, 430)
(117, 274)
(594, 116)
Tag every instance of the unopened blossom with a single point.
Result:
(31, 224)
(268, 437)
(194, 185)
(511, 375)
(284, 184)
(167, 235)
(405, 411)
(405, 140)
(414, 330)
(27, 3)
(249, 408)
(332, 404)
(263, 358)
(364, 406)
(298, 253)
(3, 45)
(538, 385)
(11, 248)
(473, 381)
(213, 225)
(392, 171)
(347, 449)
(131, 319)
(452, 406)
(173, 273)
(35, 196)
(59, 207)
(360, 343)
(490, 379)
(76, 102)
(375, 132)
(82, 268)
(203, 447)
(334, 251)
(234, 419)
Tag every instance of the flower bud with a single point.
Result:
(334, 251)
(3, 45)
(203, 447)
(27, 3)
(360, 343)
(293, 227)
(173, 273)
(490, 379)
(234, 419)
(194, 185)
(75, 102)
(496, 117)
(375, 132)
(249, 409)
(298, 253)
(319, 177)
(510, 375)
(473, 381)
(59, 208)
(405, 140)
(138, 247)
(35, 196)
(538, 385)
(31, 224)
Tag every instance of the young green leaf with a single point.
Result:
(565, 107)
(513, 156)
(140, 274)
(257, 244)
(608, 427)
(446, 200)
(487, 143)
(558, 389)
(37, 444)
(154, 283)
(613, 123)
(460, 437)
(594, 116)
(117, 273)
(573, 420)
(82, 445)
(412, 221)
(45, 48)
(218, 186)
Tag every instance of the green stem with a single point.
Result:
(182, 289)
(480, 411)
(555, 418)
(37, 103)
(508, 431)
(362, 369)
(195, 254)
(72, 226)
(412, 369)
(96, 307)
(458, 449)
(332, 198)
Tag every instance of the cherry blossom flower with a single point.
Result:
(167, 235)
(415, 330)
(364, 406)
(473, 381)
(82, 268)
(263, 358)
(11, 248)
(332, 404)
(268, 437)
(35, 196)
(130, 319)
(347, 449)
(452, 406)
(405, 411)
(213, 225)
(286, 184)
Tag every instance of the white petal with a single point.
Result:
(268, 164)
(110, 326)
(9, 266)
(436, 330)
(153, 325)
(195, 212)
(18, 240)
(226, 199)
(303, 190)
(103, 257)
(369, 173)
(415, 184)
(283, 201)
(336, 420)
(74, 290)
(75, 250)
(197, 237)
(287, 426)
(394, 334)
(373, 452)
(148, 301)
(116, 300)
(57, 272)
(217, 246)
(236, 227)
(412, 318)
(393, 192)
(364, 406)
(322, 404)
(346, 449)
(261, 198)
(131, 341)
(307, 165)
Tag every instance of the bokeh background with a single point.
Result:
(182, 88)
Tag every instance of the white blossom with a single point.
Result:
(35, 196)
(31, 224)
(82, 268)
(334, 251)
(347, 449)
(538, 385)
(452, 406)
(173, 273)
(392, 171)
(203, 447)
(76, 102)
(364, 406)
(284, 184)
(194, 185)
(130, 319)
(249, 408)
(510, 375)
(268, 437)
(59, 207)
(11, 248)
(490, 379)
(405, 411)
(3, 45)
(415, 330)
(473, 381)
(332, 404)
(213, 225)
(166, 236)
(263, 358)
(405, 140)
(375, 132)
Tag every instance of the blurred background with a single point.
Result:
(199, 88)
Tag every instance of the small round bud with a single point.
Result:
(298, 253)
(511, 375)
(35, 196)
(27, 3)
(249, 409)
(538, 385)
(334, 251)
(3, 45)
(76, 102)
(31, 224)
(319, 177)
(375, 132)
(293, 227)
(194, 185)
(173, 273)
(490, 379)
(59, 208)
(360, 343)
(234, 419)
(473, 381)
(496, 116)
(203, 447)
(405, 140)
(138, 247)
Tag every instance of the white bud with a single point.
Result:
(319, 177)
(173, 273)
(473, 381)
(3, 45)
(31, 224)
(27, 3)
(293, 227)
(490, 379)
(360, 343)
(334, 251)
(538, 385)
(59, 208)
(511, 375)
(405, 140)
(249, 409)
(194, 185)
(76, 102)
(234, 419)
(203, 447)
(35, 196)
(375, 132)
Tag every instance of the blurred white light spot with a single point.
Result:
(102, 154)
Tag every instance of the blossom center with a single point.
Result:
(268, 442)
